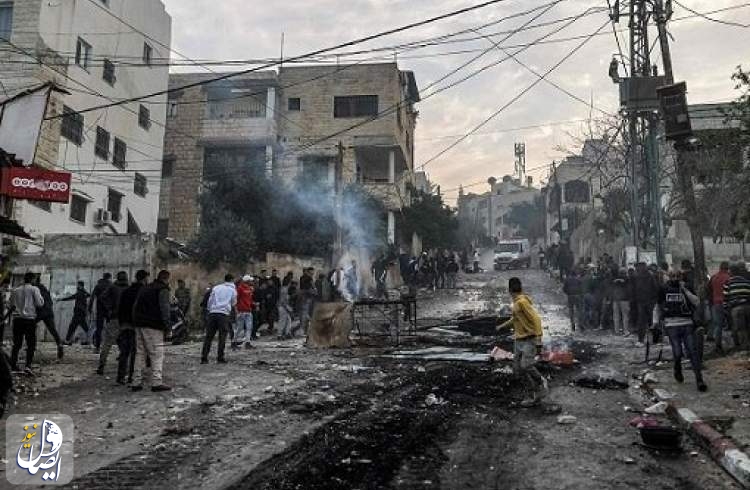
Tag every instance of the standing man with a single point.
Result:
(716, 299)
(527, 330)
(676, 306)
(24, 303)
(183, 297)
(737, 304)
(573, 288)
(112, 330)
(126, 341)
(451, 271)
(621, 294)
(80, 297)
(96, 297)
(151, 319)
(46, 315)
(307, 294)
(222, 301)
(645, 293)
(243, 327)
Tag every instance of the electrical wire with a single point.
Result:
(706, 16)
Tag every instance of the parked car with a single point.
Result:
(512, 254)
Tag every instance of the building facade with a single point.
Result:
(98, 52)
(487, 214)
(303, 121)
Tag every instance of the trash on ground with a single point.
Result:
(440, 354)
(499, 354)
(650, 377)
(566, 420)
(657, 409)
(504, 370)
(433, 399)
(643, 421)
(667, 438)
(602, 380)
(448, 331)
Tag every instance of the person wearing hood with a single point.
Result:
(221, 303)
(101, 315)
(111, 298)
(675, 312)
(46, 315)
(527, 333)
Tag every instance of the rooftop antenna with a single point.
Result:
(281, 54)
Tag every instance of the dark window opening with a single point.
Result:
(119, 154)
(78, 208)
(315, 168)
(140, 185)
(83, 54)
(102, 143)
(295, 104)
(162, 227)
(167, 166)
(144, 117)
(72, 126)
(172, 109)
(355, 106)
(44, 205)
(109, 72)
(148, 54)
(6, 20)
(114, 205)
(577, 191)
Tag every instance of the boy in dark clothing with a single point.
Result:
(101, 311)
(573, 288)
(111, 299)
(645, 293)
(126, 340)
(80, 297)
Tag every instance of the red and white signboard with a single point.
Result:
(35, 183)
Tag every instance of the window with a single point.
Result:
(119, 154)
(172, 109)
(140, 185)
(295, 104)
(83, 54)
(72, 126)
(144, 117)
(105, 2)
(102, 143)
(577, 191)
(148, 54)
(44, 205)
(114, 204)
(78, 208)
(6, 20)
(355, 106)
(109, 72)
(167, 166)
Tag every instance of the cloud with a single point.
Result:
(704, 53)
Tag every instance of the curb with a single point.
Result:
(722, 448)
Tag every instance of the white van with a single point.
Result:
(512, 254)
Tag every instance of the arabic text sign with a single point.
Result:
(39, 449)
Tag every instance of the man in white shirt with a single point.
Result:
(24, 302)
(221, 302)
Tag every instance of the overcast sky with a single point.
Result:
(704, 53)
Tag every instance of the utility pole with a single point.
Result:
(338, 245)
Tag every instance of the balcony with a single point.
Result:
(236, 119)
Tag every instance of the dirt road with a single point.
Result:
(285, 417)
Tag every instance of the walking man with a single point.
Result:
(80, 297)
(527, 329)
(222, 301)
(718, 312)
(96, 297)
(307, 294)
(737, 303)
(243, 327)
(451, 271)
(46, 315)
(621, 294)
(645, 292)
(24, 303)
(676, 306)
(126, 341)
(151, 319)
(111, 300)
(573, 288)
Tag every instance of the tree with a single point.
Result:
(529, 218)
(431, 219)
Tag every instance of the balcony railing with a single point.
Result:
(243, 109)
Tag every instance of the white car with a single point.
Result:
(513, 254)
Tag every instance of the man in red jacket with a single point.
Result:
(716, 298)
(243, 327)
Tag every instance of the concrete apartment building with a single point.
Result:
(297, 122)
(115, 154)
(487, 213)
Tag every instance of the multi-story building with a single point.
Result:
(487, 214)
(98, 52)
(303, 121)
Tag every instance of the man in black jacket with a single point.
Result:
(126, 340)
(46, 315)
(111, 301)
(80, 297)
(151, 319)
(645, 294)
(101, 311)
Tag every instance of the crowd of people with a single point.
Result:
(648, 301)
(433, 269)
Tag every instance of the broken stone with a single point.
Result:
(657, 409)
(650, 378)
(629, 461)
(566, 420)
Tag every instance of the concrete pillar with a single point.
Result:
(271, 103)
(392, 167)
(391, 228)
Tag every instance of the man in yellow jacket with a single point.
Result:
(527, 332)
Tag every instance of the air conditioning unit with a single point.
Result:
(103, 217)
